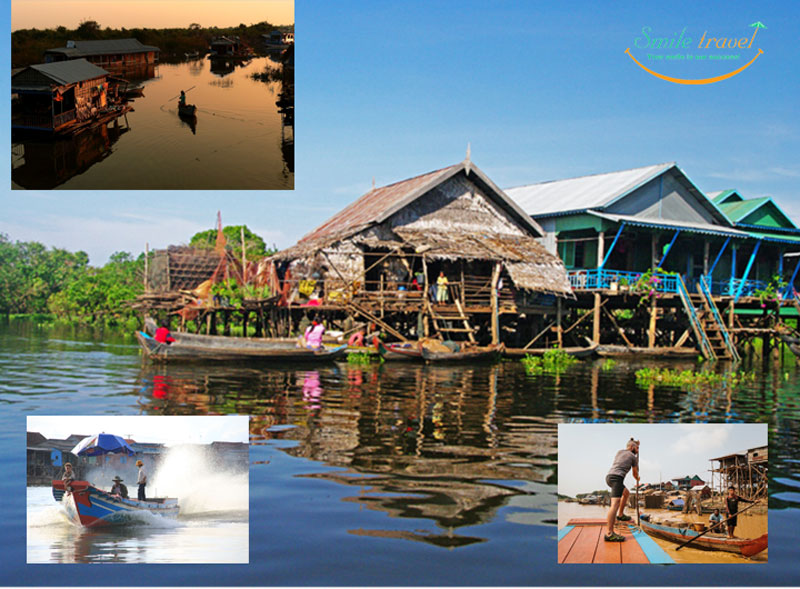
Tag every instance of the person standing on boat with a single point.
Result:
(118, 488)
(182, 99)
(624, 461)
(732, 508)
(142, 480)
(313, 334)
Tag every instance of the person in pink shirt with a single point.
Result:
(313, 334)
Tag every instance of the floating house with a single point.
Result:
(120, 57)
(278, 39)
(651, 231)
(230, 47)
(746, 472)
(52, 96)
(384, 257)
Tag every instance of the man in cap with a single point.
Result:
(142, 479)
(623, 462)
(119, 488)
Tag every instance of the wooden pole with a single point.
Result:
(494, 305)
(559, 329)
(715, 526)
(146, 256)
(651, 331)
(596, 320)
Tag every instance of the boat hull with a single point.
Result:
(190, 347)
(613, 351)
(745, 547)
(487, 354)
(402, 352)
(576, 352)
(92, 507)
(187, 111)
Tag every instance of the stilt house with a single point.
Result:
(442, 254)
(120, 57)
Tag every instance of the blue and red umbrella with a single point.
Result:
(102, 444)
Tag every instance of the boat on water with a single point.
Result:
(575, 352)
(711, 541)
(399, 351)
(89, 506)
(189, 347)
(187, 110)
(462, 353)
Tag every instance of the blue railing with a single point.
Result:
(706, 290)
(602, 279)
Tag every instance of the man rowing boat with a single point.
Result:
(623, 462)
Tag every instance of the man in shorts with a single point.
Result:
(623, 462)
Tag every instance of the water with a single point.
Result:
(239, 139)
(391, 474)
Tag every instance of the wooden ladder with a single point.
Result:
(442, 328)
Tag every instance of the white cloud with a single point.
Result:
(701, 439)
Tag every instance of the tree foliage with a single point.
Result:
(255, 248)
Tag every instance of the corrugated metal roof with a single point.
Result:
(69, 72)
(668, 224)
(104, 46)
(738, 210)
(720, 195)
(585, 192)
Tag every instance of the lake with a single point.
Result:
(384, 474)
(238, 140)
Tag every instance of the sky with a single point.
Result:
(540, 90)
(666, 451)
(168, 430)
(154, 14)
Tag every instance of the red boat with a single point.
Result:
(399, 351)
(743, 546)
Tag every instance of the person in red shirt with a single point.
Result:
(163, 335)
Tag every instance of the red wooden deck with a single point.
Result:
(584, 543)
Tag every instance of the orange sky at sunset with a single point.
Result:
(155, 14)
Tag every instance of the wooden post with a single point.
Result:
(559, 330)
(494, 305)
(651, 331)
(596, 319)
(208, 323)
(731, 314)
(245, 315)
(601, 247)
(244, 261)
(146, 255)
(653, 250)
(705, 256)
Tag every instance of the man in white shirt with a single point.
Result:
(142, 479)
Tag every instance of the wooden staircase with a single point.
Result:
(698, 325)
(709, 325)
(714, 325)
(444, 321)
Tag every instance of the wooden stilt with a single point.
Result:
(596, 319)
(651, 331)
(494, 306)
(559, 329)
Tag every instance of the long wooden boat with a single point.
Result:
(575, 352)
(471, 354)
(606, 351)
(745, 547)
(192, 347)
(89, 506)
(399, 351)
(187, 110)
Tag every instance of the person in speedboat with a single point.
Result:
(118, 488)
(68, 476)
(142, 480)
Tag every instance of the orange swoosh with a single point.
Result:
(703, 81)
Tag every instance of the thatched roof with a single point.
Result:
(424, 214)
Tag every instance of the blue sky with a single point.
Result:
(541, 91)
(667, 451)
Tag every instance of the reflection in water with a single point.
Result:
(42, 163)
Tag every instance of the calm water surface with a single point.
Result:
(390, 474)
(238, 141)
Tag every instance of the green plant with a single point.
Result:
(553, 360)
(771, 292)
(689, 379)
(363, 358)
(608, 364)
(228, 293)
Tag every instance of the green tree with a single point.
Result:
(255, 246)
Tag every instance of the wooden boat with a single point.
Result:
(399, 351)
(89, 506)
(575, 352)
(191, 347)
(187, 110)
(711, 541)
(792, 342)
(464, 354)
(611, 351)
